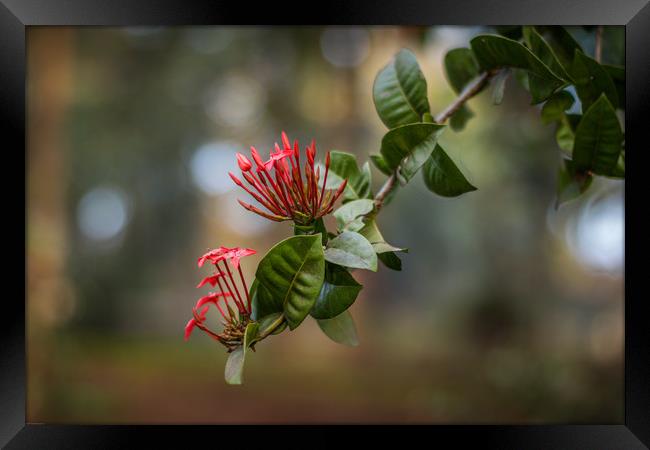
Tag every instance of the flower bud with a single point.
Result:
(244, 164)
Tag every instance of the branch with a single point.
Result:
(599, 42)
(470, 91)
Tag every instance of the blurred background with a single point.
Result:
(506, 311)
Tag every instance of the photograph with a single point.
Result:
(350, 224)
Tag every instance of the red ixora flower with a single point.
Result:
(281, 187)
(233, 304)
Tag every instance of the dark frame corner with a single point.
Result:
(15, 15)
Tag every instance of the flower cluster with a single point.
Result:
(280, 186)
(233, 305)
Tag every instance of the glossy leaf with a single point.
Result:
(459, 119)
(499, 86)
(598, 139)
(400, 91)
(562, 43)
(409, 146)
(390, 260)
(495, 52)
(350, 249)
(613, 51)
(233, 372)
(292, 272)
(344, 166)
(442, 176)
(268, 321)
(617, 74)
(592, 80)
(555, 106)
(544, 52)
(340, 329)
(570, 183)
(262, 302)
(349, 215)
(339, 291)
(460, 68)
(379, 162)
(565, 134)
(371, 232)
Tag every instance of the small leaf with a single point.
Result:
(598, 139)
(570, 183)
(592, 80)
(340, 329)
(339, 291)
(349, 215)
(400, 91)
(390, 260)
(293, 272)
(380, 164)
(555, 106)
(459, 119)
(544, 52)
(235, 366)
(350, 249)
(499, 86)
(460, 68)
(371, 232)
(617, 74)
(565, 134)
(495, 52)
(343, 166)
(268, 321)
(442, 176)
(235, 363)
(562, 43)
(409, 146)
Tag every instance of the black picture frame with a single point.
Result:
(16, 15)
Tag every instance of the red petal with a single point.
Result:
(189, 327)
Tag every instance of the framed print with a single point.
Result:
(271, 228)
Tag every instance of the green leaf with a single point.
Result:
(570, 183)
(262, 302)
(344, 166)
(390, 260)
(495, 52)
(598, 139)
(562, 43)
(267, 322)
(617, 74)
(499, 86)
(339, 291)
(459, 119)
(349, 216)
(340, 329)
(409, 146)
(400, 91)
(380, 164)
(350, 249)
(555, 106)
(565, 134)
(235, 366)
(235, 363)
(371, 232)
(544, 52)
(442, 176)
(460, 68)
(592, 80)
(293, 272)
